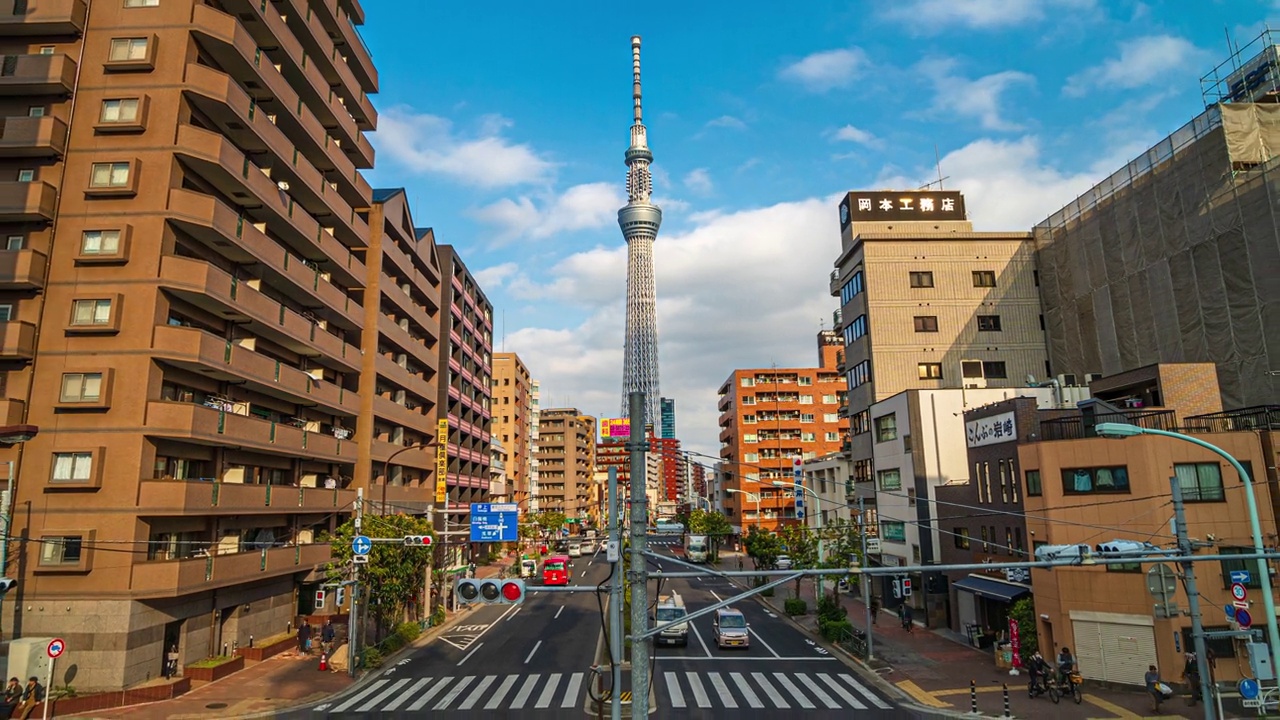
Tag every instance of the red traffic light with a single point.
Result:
(513, 591)
(417, 541)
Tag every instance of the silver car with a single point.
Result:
(731, 629)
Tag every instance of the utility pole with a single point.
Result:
(639, 576)
(865, 580)
(615, 597)
(352, 626)
(1193, 598)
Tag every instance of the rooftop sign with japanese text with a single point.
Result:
(887, 206)
(990, 430)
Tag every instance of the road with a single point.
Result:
(533, 660)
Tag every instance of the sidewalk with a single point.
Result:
(284, 681)
(934, 671)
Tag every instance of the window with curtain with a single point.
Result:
(1079, 481)
(1200, 482)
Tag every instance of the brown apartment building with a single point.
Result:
(566, 462)
(181, 284)
(769, 417)
(512, 420)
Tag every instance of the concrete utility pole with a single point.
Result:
(353, 623)
(616, 597)
(1193, 599)
(865, 580)
(639, 575)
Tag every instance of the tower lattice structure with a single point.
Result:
(640, 220)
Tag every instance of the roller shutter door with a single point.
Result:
(1114, 652)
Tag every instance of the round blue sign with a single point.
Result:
(361, 545)
(1244, 618)
(1248, 689)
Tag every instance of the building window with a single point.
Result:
(46, 49)
(1078, 481)
(749, 438)
(1200, 482)
(62, 550)
(926, 323)
(806, 399)
(81, 387)
(929, 371)
(808, 437)
(91, 312)
(15, 242)
(887, 427)
(984, 278)
(986, 545)
(860, 422)
(35, 111)
(72, 467)
(862, 471)
(860, 374)
(1004, 481)
(1017, 539)
(110, 175)
(141, 3)
(893, 531)
(921, 279)
(831, 417)
(127, 49)
(1008, 541)
(751, 457)
(806, 417)
(100, 242)
(852, 288)
(911, 497)
(805, 380)
(961, 538)
(989, 323)
(832, 437)
(26, 175)
(119, 110)
(6, 312)
(995, 369)
(829, 399)
(748, 382)
(889, 479)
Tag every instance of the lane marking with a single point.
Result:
(717, 597)
(1112, 708)
(557, 617)
(699, 693)
(796, 695)
(473, 652)
(548, 692)
(383, 695)
(531, 652)
(525, 690)
(722, 690)
(469, 640)
(701, 642)
(517, 612)
(404, 696)
(454, 693)
(478, 692)
(743, 687)
(572, 690)
(961, 691)
(922, 695)
(839, 690)
(749, 658)
(673, 688)
(817, 691)
(866, 692)
(770, 690)
(362, 695)
(501, 692)
(422, 701)
(756, 635)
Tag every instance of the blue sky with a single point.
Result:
(507, 123)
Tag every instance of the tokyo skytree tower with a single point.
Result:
(639, 221)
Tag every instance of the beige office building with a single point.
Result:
(512, 421)
(566, 461)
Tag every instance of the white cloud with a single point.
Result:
(727, 121)
(428, 144)
(850, 133)
(699, 181)
(1142, 61)
(826, 70)
(493, 277)
(938, 15)
(581, 207)
(980, 98)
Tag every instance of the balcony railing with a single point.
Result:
(1258, 417)
(1076, 427)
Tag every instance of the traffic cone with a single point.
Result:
(324, 661)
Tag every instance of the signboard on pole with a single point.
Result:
(442, 462)
(494, 522)
(797, 474)
(56, 647)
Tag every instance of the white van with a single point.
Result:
(668, 616)
(695, 548)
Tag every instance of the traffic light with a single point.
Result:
(906, 587)
(417, 541)
(489, 592)
(1062, 552)
(1125, 547)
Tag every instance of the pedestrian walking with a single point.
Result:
(875, 609)
(304, 638)
(327, 633)
(1152, 681)
(739, 563)
(906, 617)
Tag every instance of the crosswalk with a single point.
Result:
(468, 692)
(768, 690)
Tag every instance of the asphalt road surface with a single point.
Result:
(533, 660)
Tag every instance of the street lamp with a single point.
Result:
(817, 506)
(386, 470)
(1124, 430)
(750, 496)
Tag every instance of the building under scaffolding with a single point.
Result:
(1176, 257)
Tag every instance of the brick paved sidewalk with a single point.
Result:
(934, 671)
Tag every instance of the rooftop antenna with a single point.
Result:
(937, 158)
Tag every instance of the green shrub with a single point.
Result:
(408, 632)
(833, 630)
(372, 658)
(829, 608)
(795, 606)
(438, 616)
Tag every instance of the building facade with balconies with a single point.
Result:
(566, 461)
(199, 335)
(512, 420)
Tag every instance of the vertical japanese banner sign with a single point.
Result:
(1014, 642)
(442, 462)
(797, 474)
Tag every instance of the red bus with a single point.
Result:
(555, 571)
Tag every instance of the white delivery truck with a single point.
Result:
(669, 616)
(696, 548)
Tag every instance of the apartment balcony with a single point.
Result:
(17, 341)
(388, 369)
(27, 201)
(418, 315)
(422, 460)
(1252, 419)
(308, 29)
(411, 499)
(239, 240)
(419, 273)
(167, 578)
(45, 17)
(399, 414)
(1075, 428)
(22, 269)
(208, 426)
(11, 411)
(210, 288)
(235, 361)
(401, 338)
(26, 75)
(338, 26)
(204, 497)
(32, 137)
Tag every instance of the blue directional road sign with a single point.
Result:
(494, 522)
(1240, 576)
(361, 545)
(1231, 612)
(1248, 688)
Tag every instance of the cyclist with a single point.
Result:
(1066, 664)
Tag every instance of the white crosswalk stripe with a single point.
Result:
(766, 691)
(469, 694)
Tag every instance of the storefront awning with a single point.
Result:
(992, 589)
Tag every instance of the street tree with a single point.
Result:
(763, 547)
(712, 524)
(802, 548)
(551, 521)
(395, 575)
